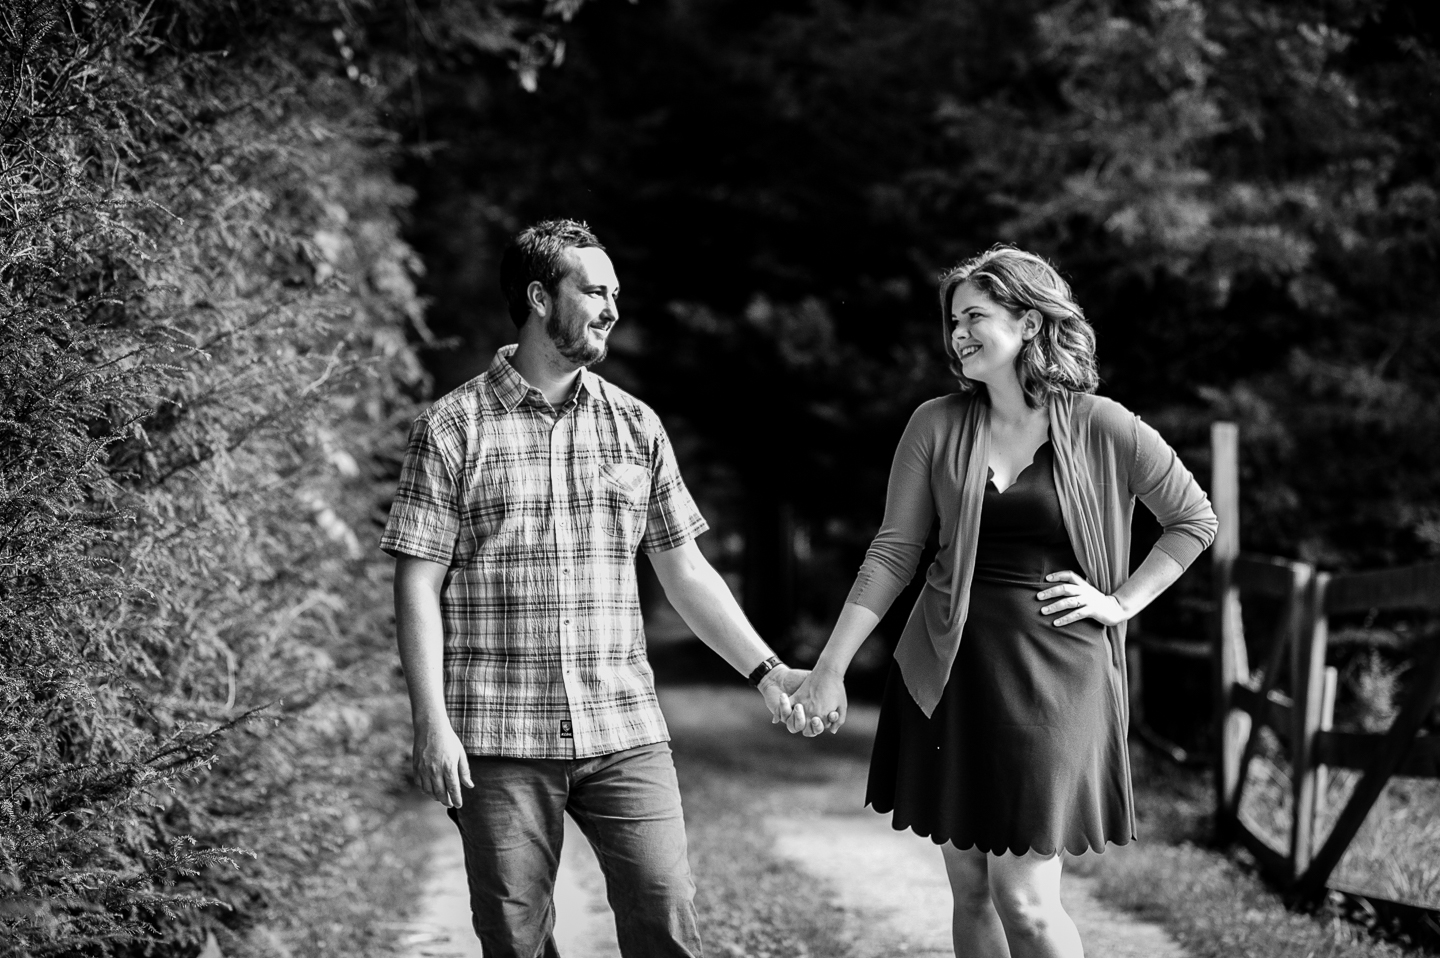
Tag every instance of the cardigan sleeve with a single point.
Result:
(1167, 489)
(909, 513)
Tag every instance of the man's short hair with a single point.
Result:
(535, 254)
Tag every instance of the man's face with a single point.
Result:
(584, 308)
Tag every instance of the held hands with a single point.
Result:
(1079, 599)
(776, 688)
(818, 704)
(439, 763)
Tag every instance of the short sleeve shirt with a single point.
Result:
(539, 511)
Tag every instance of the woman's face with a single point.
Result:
(986, 336)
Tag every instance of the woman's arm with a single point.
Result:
(1161, 481)
(889, 566)
(1080, 600)
(909, 513)
(1156, 574)
(822, 694)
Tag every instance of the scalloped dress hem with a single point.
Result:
(1088, 846)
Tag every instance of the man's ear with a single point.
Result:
(538, 297)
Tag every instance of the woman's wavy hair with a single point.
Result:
(1061, 356)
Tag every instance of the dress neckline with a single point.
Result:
(990, 473)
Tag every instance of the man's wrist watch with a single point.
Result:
(763, 669)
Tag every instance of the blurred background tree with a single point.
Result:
(1242, 194)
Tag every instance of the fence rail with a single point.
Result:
(1247, 702)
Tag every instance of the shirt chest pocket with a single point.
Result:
(622, 492)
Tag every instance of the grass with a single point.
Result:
(1214, 903)
(1218, 908)
(1396, 853)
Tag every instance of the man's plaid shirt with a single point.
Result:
(538, 512)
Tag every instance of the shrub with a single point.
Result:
(204, 372)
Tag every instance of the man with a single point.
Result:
(523, 499)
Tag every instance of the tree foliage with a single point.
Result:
(1240, 192)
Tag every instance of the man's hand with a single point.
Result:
(439, 764)
(776, 688)
(438, 759)
(818, 704)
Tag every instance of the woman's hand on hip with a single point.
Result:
(1078, 599)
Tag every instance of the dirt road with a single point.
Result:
(888, 888)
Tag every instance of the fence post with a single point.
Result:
(1327, 722)
(1307, 678)
(1229, 661)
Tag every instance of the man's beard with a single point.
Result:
(572, 343)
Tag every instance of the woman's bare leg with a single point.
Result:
(976, 926)
(1026, 892)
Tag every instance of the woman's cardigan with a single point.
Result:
(1105, 457)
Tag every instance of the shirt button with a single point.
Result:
(566, 622)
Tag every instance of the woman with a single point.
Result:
(1002, 732)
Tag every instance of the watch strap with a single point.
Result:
(762, 670)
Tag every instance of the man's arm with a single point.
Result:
(439, 759)
(701, 597)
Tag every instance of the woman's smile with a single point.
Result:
(979, 325)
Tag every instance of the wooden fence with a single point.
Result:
(1247, 701)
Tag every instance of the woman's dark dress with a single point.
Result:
(1025, 750)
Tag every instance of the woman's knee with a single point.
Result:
(1025, 916)
(968, 871)
(1026, 894)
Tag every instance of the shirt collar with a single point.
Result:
(510, 388)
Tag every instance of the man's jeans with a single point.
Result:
(627, 804)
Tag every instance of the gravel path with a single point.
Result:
(889, 886)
